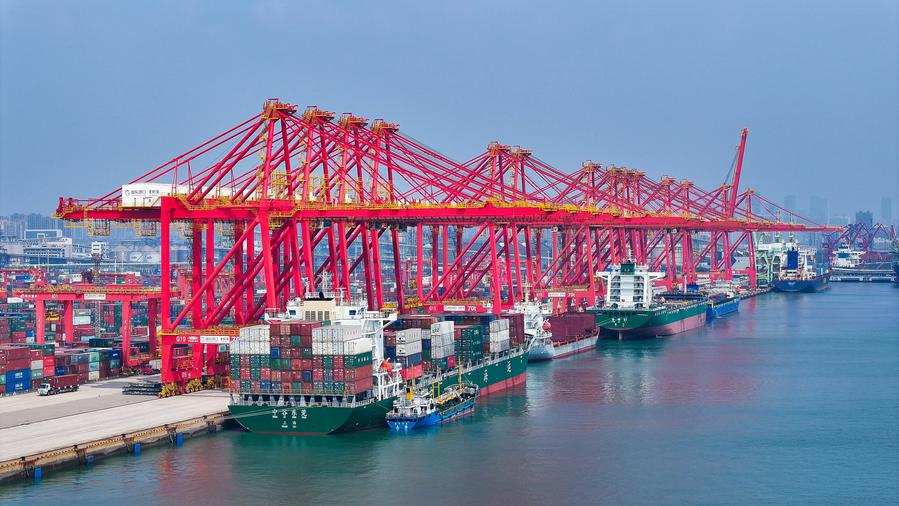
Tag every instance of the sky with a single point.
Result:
(95, 93)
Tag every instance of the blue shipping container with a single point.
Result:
(276, 352)
(19, 375)
(18, 386)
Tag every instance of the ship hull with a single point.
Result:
(578, 346)
(723, 309)
(542, 352)
(648, 323)
(816, 284)
(320, 420)
(554, 350)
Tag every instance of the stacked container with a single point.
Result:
(469, 343)
(499, 336)
(302, 358)
(409, 351)
(251, 353)
(517, 336)
(15, 369)
(570, 326)
(438, 350)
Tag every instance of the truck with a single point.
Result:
(59, 384)
(151, 367)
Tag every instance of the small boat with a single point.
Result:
(424, 410)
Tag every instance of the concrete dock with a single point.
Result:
(68, 428)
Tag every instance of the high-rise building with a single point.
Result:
(790, 203)
(886, 211)
(866, 217)
(839, 220)
(817, 209)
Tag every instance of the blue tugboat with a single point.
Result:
(721, 304)
(798, 273)
(424, 410)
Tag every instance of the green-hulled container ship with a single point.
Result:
(270, 408)
(632, 311)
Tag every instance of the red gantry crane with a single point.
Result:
(298, 194)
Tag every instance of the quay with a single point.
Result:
(41, 433)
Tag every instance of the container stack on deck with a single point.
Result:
(438, 350)
(573, 325)
(301, 358)
(341, 360)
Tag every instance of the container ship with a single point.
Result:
(798, 272)
(632, 311)
(327, 367)
(565, 334)
(847, 265)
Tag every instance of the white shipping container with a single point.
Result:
(37, 364)
(408, 336)
(442, 328)
(500, 324)
(406, 349)
(502, 335)
(81, 320)
(359, 345)
(496, 347)
(93, 376)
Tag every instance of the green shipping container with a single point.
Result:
(296, 341)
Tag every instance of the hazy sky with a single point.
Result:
(94, 93)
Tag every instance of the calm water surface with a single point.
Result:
(794, 400)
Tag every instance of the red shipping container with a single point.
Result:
(338, 375)
(49, 361)
(412, 372)
(245, 372)
(49, 371)
(318, 375)
(36, 355)
(244, 361)
(2, 389)
(307, 388)
(255, 386)
(306, 341)
(286, 388)
(338, 361)
(306, 364)
(265, 374)
(317, 362)
(451, 361)
(276, 375)
(296, 364)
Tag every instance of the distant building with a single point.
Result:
(839, 221)
(790, 203)
(41, 233)
(817, 209)
(865, 217)
(886, 211)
